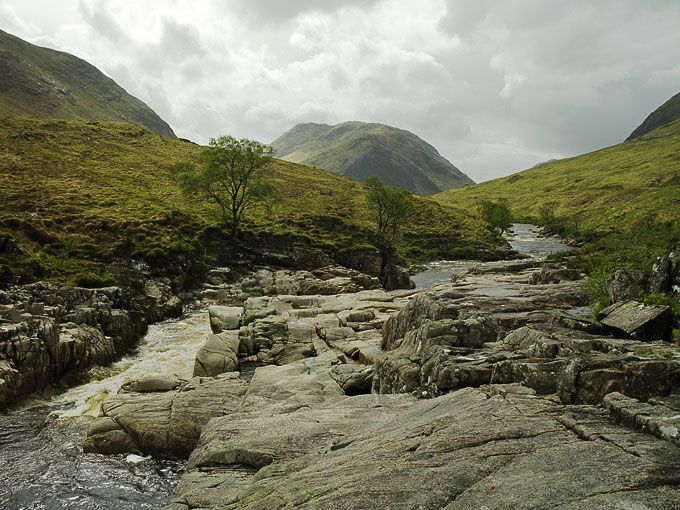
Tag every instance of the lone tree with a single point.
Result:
(391, 207)
(497, 214)
(230, 174)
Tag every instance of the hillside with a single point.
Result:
(41, 82)
(663, 115)
(623, 200)
(76, 195)
(357, 150)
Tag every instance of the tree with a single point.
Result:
(391, 208)
(230, 175)
(497, 214)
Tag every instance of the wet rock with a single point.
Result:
(639, 321)
(163, 423)
(152, 384)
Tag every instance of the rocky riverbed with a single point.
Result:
(496, 390)
(320, 389)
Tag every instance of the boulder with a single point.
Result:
(665, 276)
(625, 285)
(224, 318)
(353, 379)
(162, 423)
(636, 320)
(217, 354)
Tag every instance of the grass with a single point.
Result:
(78, 196)
(622, 203)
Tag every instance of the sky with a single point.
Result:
(496, 86)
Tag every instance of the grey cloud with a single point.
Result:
(278, 11)
(103, 22)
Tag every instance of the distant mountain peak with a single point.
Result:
(358, 149)
(46, 83)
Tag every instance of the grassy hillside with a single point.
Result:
(76, 195)
(40, 82)
(623, 201)
(664, 114)
(357, 150)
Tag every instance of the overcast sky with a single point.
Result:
(495, 86)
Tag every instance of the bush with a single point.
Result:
(95, 281)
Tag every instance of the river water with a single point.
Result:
(524, 238)
(42, 465)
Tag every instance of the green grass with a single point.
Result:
(80, 195)
(622, 202)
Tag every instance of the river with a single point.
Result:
(42, 465)
(524, 238)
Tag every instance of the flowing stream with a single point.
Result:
(42, 465)
(522, 237)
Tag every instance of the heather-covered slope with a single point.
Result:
(41, 82)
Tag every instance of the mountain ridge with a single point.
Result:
(359, 149)
(46, 83)
(663, 115)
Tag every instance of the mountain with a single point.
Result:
(358, 149)
(75, 195)
(44, 83)
(664, 114)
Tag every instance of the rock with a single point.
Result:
(224, 318)
(661, 420)
(473, 448)
(217, 354)
(152, 384)
(553, 273)
(639, 321)
(665, 276)
(625, 285)
(353, 379)
(163, 423)
(424, 307)
(396, 277)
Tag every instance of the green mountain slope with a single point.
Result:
(357, 150)
(623, 200)
(40, 82)
(664, 114)
(79, 195)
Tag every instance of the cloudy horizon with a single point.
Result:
(495, 86)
